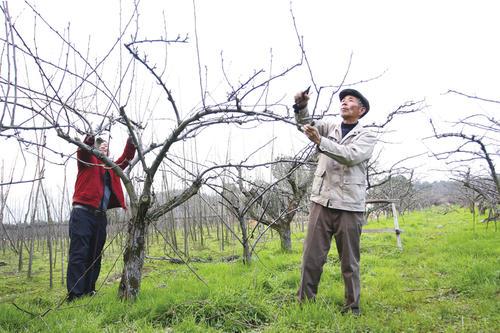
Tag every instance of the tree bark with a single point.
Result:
(51, 268)
(247, 254)
(20, 246)
(186, 233)
(30, 254)
(285, 237)
(62, 261)
(133, 257)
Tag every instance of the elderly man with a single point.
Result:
(338, 194)
(97, 189)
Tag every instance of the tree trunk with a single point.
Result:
(473, 211)
(63, 242)
(247, 255)
(186, 233)
(30, 255)
(148, 241)
(222, 226)
(20, 246)
(200, 223)
(173, 232)
(51, 269)
(285, 237)
(133, 257)
(54, 263)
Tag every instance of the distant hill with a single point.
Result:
(439, 193)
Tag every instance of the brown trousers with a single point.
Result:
(346, 227)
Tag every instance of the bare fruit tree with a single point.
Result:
(69, 96)
(396, 181)
(276, 206)
(474, 154)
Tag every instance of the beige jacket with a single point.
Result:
(340, 177)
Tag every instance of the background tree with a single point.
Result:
(277, 207)
(472, 151)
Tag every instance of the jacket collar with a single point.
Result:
(355, 131)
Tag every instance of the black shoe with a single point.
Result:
(71, 297)
(91, 293)
(306, 300)
(355, 311)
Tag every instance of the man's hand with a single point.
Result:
(312, 133)
(301, 99)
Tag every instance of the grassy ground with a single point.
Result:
(445, 280)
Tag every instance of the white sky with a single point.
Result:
(427, 47)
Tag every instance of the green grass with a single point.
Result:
(446, 279)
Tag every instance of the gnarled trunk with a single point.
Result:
(133, 257)
(247, 255)
(285, 237)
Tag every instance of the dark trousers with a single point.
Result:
(87, 233)
(346, 227)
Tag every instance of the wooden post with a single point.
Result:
(396, 226)
(396, 229)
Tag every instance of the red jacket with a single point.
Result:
(89, 186)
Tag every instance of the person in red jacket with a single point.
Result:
(97, 189)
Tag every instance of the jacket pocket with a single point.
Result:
(354, 189)
(319, 176)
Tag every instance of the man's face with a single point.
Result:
(351, 109)
(103, 148)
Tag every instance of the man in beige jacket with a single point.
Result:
(338, 193)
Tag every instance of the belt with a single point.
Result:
(93, 211)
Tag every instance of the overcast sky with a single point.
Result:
(423, 48)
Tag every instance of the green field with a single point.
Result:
(446, 279)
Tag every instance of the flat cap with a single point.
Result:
(357, 94)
